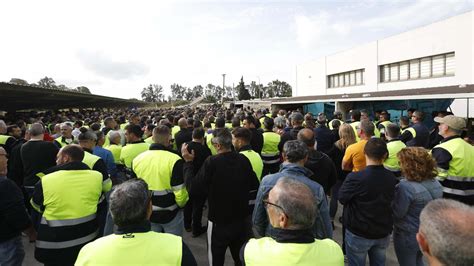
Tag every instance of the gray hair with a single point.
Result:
(368, 127)
(128, 202)
(87, 134)
(66, 124)
(222, 137)
(297, 201)
(295, 150)
(113, 134)
(36, 129)
(446, 226)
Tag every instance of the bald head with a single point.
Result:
(297, 202)
(306, 135)
(70, 153)
(182, 123)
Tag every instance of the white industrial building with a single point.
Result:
(435, 61)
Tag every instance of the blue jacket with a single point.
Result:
(108, 158)
(322, 227)
(410, 198)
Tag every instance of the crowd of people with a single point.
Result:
(123, 186)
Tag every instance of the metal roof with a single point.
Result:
(22, 97)
(445, 92)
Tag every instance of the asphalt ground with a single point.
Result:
(198, 246)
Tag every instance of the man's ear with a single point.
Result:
(282, 220)
(424, 247)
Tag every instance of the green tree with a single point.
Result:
(83, 89)
(152, 93)
(63, 87)
(18, 81)
(198, 91)
(209, 93)
(178, 91)
(189, 94)
(47, 83)
(278, 88)
(243, 92)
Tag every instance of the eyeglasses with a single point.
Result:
(266, 202)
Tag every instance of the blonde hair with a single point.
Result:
(347, 137)
(417, 164)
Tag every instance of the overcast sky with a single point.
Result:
(118, 47)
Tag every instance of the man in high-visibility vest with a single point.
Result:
(68, 197)
(270, 153)
(135, 145)
(241, 140)
(162, 170)
(66, 137)
(337, 117)
(455, 158)
(134, 243)
(394, 145)
(6, 141)
(291, 241)
(383, 123)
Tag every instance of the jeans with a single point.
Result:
(174, 227)
(407, 249)
(358, 247)
(12, 252)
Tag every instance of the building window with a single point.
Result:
(345, 79)
(426, 67)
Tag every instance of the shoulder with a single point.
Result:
(328, 244)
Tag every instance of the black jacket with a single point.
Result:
(367, 196)
(257, 140)
(323, 168)
(292, 134)
(13, 215)
(229, 182)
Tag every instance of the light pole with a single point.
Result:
(223, 88)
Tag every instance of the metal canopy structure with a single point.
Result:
(14, 97)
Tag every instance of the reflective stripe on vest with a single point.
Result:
(155, 167)
(255, 161)
(66, 244)
(391, 163)
(133, 249)
(71, 194)
(266, 251)
(68, 222)
(270, 144)
(460, 175)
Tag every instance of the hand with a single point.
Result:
(31, 233)
(187, 156)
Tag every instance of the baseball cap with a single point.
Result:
(452, 121)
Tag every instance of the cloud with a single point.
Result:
(347, 23)
(104, 66)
